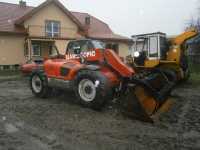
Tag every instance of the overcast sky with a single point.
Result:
(129, 17)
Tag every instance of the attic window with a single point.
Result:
(52, 28)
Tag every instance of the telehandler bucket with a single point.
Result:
(146, 99)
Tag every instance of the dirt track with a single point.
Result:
(29, 123)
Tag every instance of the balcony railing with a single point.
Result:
(40, 31)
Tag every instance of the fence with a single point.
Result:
(9, 67)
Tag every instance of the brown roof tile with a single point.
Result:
(10, 14)
(98, 29)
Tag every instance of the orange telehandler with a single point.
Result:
(96, 74)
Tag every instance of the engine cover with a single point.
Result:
(62, 68)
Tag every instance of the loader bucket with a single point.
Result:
(138, 104)
(145, 102)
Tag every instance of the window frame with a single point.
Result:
(32, 50)
(149, 48)
(52, 32)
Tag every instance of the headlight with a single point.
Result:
(136, 54)
(174, 50)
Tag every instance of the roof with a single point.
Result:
(9, 13)
(148, 34)
(13, 15)
(98, 29)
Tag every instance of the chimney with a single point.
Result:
(87, 21)
(22, 3)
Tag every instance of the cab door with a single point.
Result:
(153, 51)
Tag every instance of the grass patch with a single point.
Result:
(9, 73)
(194, 68)
(195, 73)
(195, 78)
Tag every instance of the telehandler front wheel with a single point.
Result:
(91, 89)
(39, 85)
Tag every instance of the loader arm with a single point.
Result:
(177, 50)
(180, 39)
(113, 60)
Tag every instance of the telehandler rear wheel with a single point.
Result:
(39, 85)
(91, 89)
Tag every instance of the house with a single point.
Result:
(29, 32)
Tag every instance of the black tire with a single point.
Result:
(171, 75)
(102, 94)
(45, 91)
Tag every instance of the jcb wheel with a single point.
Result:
(171, 75)
(91, 89)
(39, 85)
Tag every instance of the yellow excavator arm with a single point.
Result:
(180, 39)
(176, 48)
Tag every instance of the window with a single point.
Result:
(98, 44)
(36, 49)
(163, 47)
(142, 45)
(153, 47)
(6, 67)
(79, 46)
(52, 28)
(72, 47)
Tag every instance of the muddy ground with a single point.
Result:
(29, 123)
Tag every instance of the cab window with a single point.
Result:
(142, 45)
(72, 46)
(79, 46)
(164, 46)
(153, 46)
(98, 44)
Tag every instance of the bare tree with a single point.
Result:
(194, 21)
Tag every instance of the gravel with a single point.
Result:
(57, 123)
